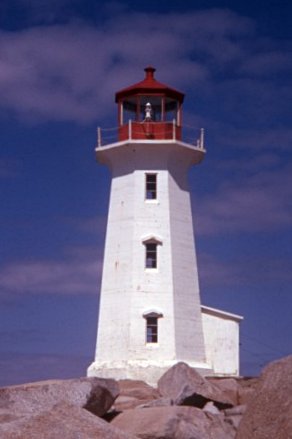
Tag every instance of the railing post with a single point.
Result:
(130, 129)
(173, 130)
(202, 136)
(98, 136)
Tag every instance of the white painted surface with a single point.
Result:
(128, 290)
(221, 333)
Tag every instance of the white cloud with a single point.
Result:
(77, 276)
(218, 273)
(243, 270)
(19, 368)
(69, 71)
(258, 202)
(248, 138)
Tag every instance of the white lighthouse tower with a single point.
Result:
(150, 315)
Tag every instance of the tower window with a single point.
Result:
(151, 329)
(151, 318)
(151, 255)
(151, 186)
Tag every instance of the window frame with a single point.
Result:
(151, 186)
(151, 330)
(151, 259)
(155, 241)
(151, 327)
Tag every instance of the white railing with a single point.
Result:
(194, 136)
(191, 135)
(106, 136)
(130, 130)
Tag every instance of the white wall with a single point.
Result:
(128, 289)
(204, 338)
(221, 334)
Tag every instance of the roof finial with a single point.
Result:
(149, 72)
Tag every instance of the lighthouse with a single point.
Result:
(150, 313)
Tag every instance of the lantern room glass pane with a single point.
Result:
(171, 109)
(129, 110)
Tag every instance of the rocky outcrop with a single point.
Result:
(184, 406)
(229, 389)
(19, 405)
(246, 389)
(137, 389)
(95, 394)
(187, 387)
(269, 411)
(174, 422)
(234, 415)
(217, 414)
(65, 421)
(133, 393)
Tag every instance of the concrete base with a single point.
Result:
(148, 372)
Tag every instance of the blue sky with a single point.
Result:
(61, 62)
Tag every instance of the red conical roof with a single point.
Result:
(149, 85)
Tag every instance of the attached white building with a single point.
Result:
(221, 335)
(150, 314)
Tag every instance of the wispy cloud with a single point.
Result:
(242, 270)
(23, 368)
(76, 269)
(256, 203)
(69, 71)
(262, 138)
(215, 272)
(76, 276)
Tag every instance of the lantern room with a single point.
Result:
(149, 110)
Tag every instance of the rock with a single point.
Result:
(219, 428)
(160, 402)
(187, 387)
(211, 408)
(269, 412)
(229, 388)
(234, 420)
(246, 389)
(95, 394)
(64, 421)
(234, 415)
(239, 410)
(134, 393)
(137, 389)
(173, 422)
(125, 403)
